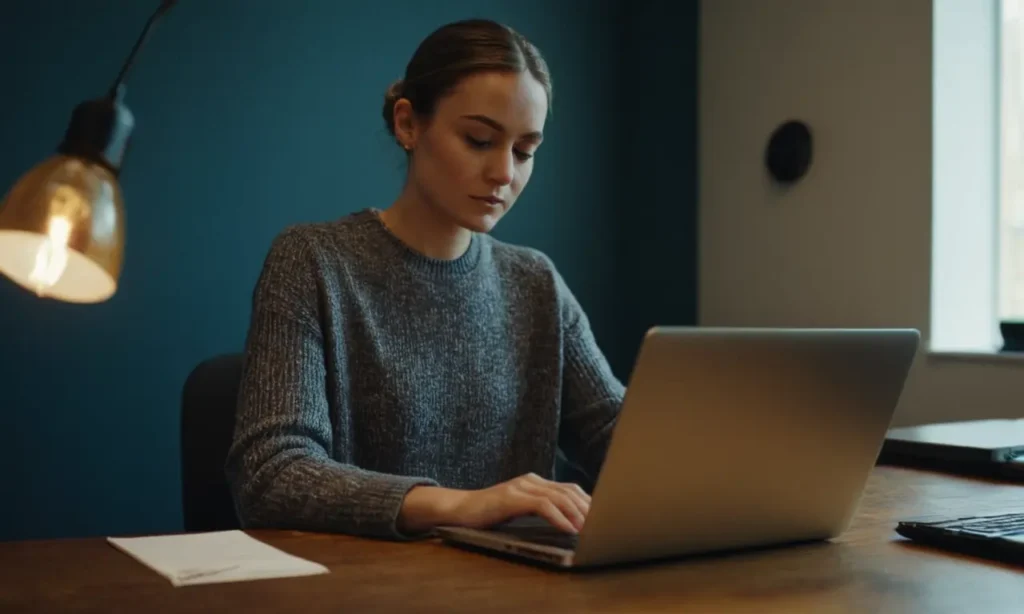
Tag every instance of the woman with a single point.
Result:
(404, 369)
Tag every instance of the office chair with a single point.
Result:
(207, 426)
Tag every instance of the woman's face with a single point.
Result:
(473, 158)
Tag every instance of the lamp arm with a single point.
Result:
(165, 5)
(100, 129)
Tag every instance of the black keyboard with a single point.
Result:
(545, 535)
(999, 536)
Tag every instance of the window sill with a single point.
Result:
(976, 356)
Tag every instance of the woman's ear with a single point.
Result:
(405, 124)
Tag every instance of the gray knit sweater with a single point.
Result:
(371, 368)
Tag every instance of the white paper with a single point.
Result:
(219, 556)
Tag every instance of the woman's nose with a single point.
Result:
(501, 168)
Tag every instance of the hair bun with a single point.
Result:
(391, 96)
(396, 90)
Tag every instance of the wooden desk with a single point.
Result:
(869, 569)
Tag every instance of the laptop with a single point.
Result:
(998, 537)
(729, 439)
(993, 447)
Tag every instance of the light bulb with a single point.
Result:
(62, 230)
(52, 256)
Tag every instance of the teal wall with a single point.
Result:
(657, 210)
(251, 115)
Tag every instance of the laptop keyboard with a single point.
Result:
(1002, 525)
(544, 535)
(996, 536)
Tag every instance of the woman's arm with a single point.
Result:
(591, 394)
(280, 466)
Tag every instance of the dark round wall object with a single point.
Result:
(788, 154)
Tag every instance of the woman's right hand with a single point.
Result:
(563, 505)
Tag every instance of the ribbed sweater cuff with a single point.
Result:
(383, 504)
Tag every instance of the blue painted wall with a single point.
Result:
(251, 115)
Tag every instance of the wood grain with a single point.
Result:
(868, 569)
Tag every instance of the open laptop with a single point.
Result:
(729, 439)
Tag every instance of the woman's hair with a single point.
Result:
(455, 51)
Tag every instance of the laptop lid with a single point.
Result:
(733, 438)
(968, 441)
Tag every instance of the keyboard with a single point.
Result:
(997, 536)
(545, 535)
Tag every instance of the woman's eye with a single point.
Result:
(475, 143)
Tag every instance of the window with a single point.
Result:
(977, 173)
(1011, 165)
(967, 265)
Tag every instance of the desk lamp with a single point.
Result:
(62, 224)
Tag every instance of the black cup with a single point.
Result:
(1013, 335)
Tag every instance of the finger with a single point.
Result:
(575, 489)
(533, 478)
(578, 495)
(576, 508)
(545, 508)
(581, 500)
(569, 507)
(572, 509)
(524, 503)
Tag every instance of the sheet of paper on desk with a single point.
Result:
(219, 556)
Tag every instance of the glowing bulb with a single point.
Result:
(52, 257)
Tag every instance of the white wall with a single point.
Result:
(851, 244)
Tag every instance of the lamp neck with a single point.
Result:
(100, 130)
(115, 88)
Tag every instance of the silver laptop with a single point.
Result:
(730, 439)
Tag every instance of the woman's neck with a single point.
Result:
(425, 229)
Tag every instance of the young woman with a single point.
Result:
(406, 370)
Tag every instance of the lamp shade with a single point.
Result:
(62, 224)
(62, 230)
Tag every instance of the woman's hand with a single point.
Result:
(563, 505)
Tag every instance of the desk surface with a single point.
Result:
(868, 569)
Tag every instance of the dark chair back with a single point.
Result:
(207, 427)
